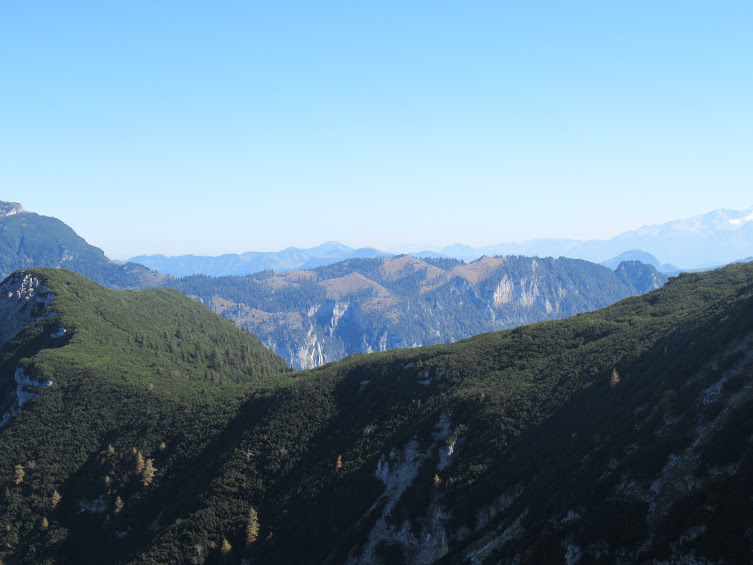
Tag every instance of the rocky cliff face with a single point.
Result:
(21, 298)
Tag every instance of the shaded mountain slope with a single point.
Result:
(315, 316)
(622, 434)
(28, 240)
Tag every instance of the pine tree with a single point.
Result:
(139, 461)
(339, 464)
(615, 380)
(44, 524)
(55, 499)
(19, 474)
(225, 548)
(118, 505)
(148, 473)
(252, 528)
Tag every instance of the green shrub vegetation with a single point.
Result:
(251, 461)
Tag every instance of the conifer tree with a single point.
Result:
(55, 499)
(148, 473)
(339, 464)
(615, 380)
(225, 548)
(44, 524)
(252, 528)
(118, 505)
(139, 461)
(19, 474)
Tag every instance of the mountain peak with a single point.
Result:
(744, 217)
(10, 208)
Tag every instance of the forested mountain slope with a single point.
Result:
(617, 435)
(28, 240)
(362, 305)
(622, 434)
(98, 386)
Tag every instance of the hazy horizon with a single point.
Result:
(180, 128)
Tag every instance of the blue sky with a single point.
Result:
(197, 127)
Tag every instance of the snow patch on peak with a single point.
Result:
(743, 219)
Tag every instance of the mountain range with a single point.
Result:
(288, 259)
(141, 428)
(710, 240)
(315, 316)
(716, 238)
(322, 314)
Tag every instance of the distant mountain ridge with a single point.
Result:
(311, 317)
(28, 240)
(643, 257)
(716, 238)
(288, 259)
(706, 241)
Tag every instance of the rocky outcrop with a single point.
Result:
(398, 472)
(23, 394)
(10, 209)
(21, 299)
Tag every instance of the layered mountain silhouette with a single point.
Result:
(288, 259)
(706, 241)
(324, 313)
(716, 238)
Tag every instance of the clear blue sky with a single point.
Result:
(179, 127)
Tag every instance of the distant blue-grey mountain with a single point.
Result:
(426, 254)
(290, 259)
(691, 244)
(643, 257)
(717, 238)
